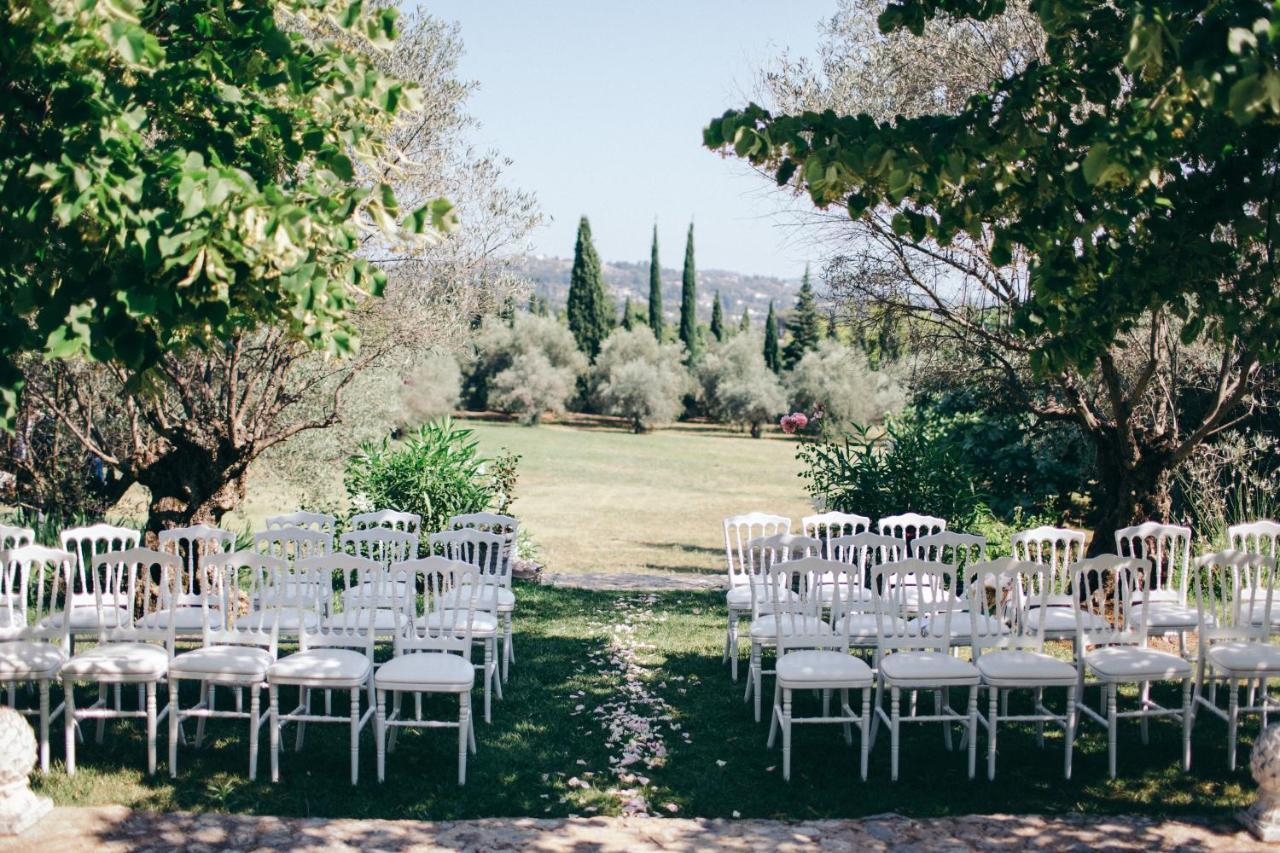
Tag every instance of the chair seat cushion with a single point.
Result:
(822, 667)
(927, 669)
(325, 667)
(1013, 667)
(21, 660)
(766, 627)
(186, 620)
(248, 662)
(1131, 663)
(827, 594)
(290, 620)
(485, 600)
(426, 671)
(861, 628)
(482, 624)
(111, 661)
(86, 618)
(384, 621)
(1165, 615)
(988, 626)
(1060, 621)
(1244, 658)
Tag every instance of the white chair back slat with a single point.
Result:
(861, 552)
(385, 545)
(1056, 547)
(739, 530)
(33, 590)
(194, 545)
(764, 552)
(910, 525)
(345, 586)
(482, 549)
(1167, 547)
(1234, 594)
(913, 605)
(237, 585)
(1103, 587)
(317, 521)
(88, 543)
(15, 537)
(1256, 537)
(1007, 601)
(493, 522)
(390, 519)
(144, 580)
(791, 595)
(831, 525)
(293, 543)
(451, 597)
(948, 546)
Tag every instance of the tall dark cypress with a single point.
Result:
(689, 301)
(627, 320)
(772, 357)
(590, 314)
(655, 288)
(744, 325)
(717, 318)
(803, 326)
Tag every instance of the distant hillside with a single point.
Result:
(550, 277)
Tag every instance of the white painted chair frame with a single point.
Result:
(830, 525)
(910, 525)
(509, 527)
(314, 521)
(387, 519)
(486, 551)
(193, 545)
(1163, 591)
(88, 544)
(1058, 548)
(862, 552)
(766, 552)
(738, 531)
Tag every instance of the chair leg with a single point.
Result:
(255, 711)
(497, 681)
(757, 675)
(273, 729)
(971, 729)
(507, 654)
(773, 714)
(826, 702)
(206, 699)
(174, 712)
(938, 704)
(488, 682)
(746, 693)
(44, 726)
(848, 727)
(302, 726)
(380, 733)
(104, 696)
(464, 730)
(1187, 720)
(993, 719)
(875, 717)
(355, 735)
(1144, 698)
(150, 694)
(1070, 735)
(69, 725)
(786, 734)
(895, 704)
(865, 746)
(1039, 723)
(1111, 729)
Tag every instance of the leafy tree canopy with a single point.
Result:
(172, 174)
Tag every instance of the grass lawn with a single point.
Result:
(547, 751)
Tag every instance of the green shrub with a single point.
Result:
(435, 472)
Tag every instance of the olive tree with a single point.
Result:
(527, 366)
(637, 378)
(837, 380)
(736, 386)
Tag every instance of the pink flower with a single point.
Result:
(800, 419)
(788, 424)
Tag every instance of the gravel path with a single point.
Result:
(115, 828)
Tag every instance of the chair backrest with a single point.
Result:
(1168, 549)
(15, 537)
(88, 543)
(406, 522)
(293, 543)
(831, 525)
(385, 545)
(1055, 547)
(1104, 586)
(444, 619)
(193, 545)
(779, 547)
(352, 605)
(130, 593)
(909, 525)
(958, 549)
(480, 548)
(33, 592)
(861, 552)
(318, 521)
(234, 583)
(918, 587)
(790, 593)
(741, 529)
(1006, 599)
(507, 525)
(1234, 595)
(1256, 537)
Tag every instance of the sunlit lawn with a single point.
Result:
(537, 744)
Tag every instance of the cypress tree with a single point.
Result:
(655, 288)
(590, 315)
(803, 326)
(832, 326)
(771, 357)
(717, 319)
(688, 301)
(744, 325)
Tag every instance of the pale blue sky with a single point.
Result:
(601, 104)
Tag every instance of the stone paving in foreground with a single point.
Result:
(115, 828)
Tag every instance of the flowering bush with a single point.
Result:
(800, 422)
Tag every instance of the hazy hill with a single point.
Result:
(550, 277)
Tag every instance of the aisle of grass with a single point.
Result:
(543, 756)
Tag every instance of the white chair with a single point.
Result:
(385, 545)
(237, 650)
(432, 654)
(813, 656)
(1234, 595)
(1113, 650)
(293, 543)
(509, 527)
(738, 531)
(15, 537)
(1006, 627)
(862, 552)
(337, 655)
(1256, 537)
(912, 654)
(88, 544)
(1057, 548)
(830, 525)
(1160, 599)
(494, 603)
(388, 519)
(909, 525)
(315, 521)
(193, 545)
(132, 650)
(35, 635)
(766, 552)
(959, 551)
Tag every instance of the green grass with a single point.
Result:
(537, 744)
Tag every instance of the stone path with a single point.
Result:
(115, 828)
(632, 581)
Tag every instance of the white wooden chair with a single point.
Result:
(432, 653)
(910, 525)
(1160, 600)
(959, 551)
(338, 655)
(913, 653)
(35, 635)
(767, 551)
(1058, 548)
(1006, 600)
(193, 545)
(509, 527)
(813, 656)
(1258, 537)
(237, 649)
(288, 542)
(738, 531)
(131, 650)
(1113, 650)
(855, 608)
(316, 521)
(830, 525)
(388, 519)
(494, 602)
(385, 545)
(15, 537)
(1234, 595)
(88, 544)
